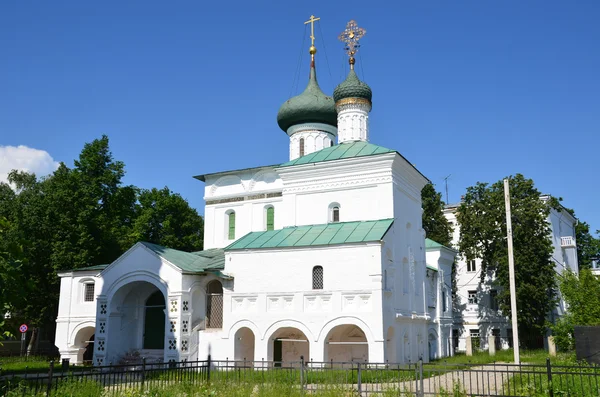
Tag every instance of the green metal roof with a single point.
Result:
(433, 245)
(89, 268)
(315, 235)
(194, 262)
(344, 150)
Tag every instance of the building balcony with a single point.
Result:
(567, 242)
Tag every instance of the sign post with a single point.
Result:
(23, 329)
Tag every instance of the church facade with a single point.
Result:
(322, 257)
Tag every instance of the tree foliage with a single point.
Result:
(482, 220)
(588, 246)
(165, 218)
(581, 292)
(435, 223)
(78, 217)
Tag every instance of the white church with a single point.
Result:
(321, 257)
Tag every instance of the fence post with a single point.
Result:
(549, 371)
(143, 371)
(420, 388)
(302, 372)
(208, 370)
(359, 380)
(50, 372)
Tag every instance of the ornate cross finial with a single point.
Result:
(312, 21)
(351, 37)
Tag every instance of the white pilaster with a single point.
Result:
(353, 121)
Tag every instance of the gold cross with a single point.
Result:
(312, 21)
(351, 36)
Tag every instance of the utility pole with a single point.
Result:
(511, 274)
(446, 181)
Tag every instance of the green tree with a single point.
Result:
(482, 222)
(78, 217)
(435, 223)
(581, 292)
(588, 246)
(166, 218)
(10, 263)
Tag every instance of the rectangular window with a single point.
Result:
(494, 300)
(471, 266)
(317, 277)
(444, 304)
(270, 218)
(472, 297)
(88, 295)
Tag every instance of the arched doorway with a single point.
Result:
(154, 322)
(214, 304)
(346, 343)
(244, 345)
(287, 346)
(432, 343)
(136, 321)
(390, 345)
(84, 340)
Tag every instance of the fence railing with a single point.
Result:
(345, 378)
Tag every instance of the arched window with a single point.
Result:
(335, 214)
(317, 277)
(231, 225)
(301, 147)
(214, 304)
(270, 215)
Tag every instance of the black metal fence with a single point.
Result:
(346, 378)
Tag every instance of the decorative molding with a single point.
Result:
(338, 184)
(245, 304)
(244, 198)
(312, 127)
(317, 303)
(352, 101)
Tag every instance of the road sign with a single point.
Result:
(23, 328)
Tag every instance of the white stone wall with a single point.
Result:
(272, 289)
(76, 320)
(248, 193)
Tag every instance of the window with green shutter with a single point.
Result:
(231, 226)
(270, 218)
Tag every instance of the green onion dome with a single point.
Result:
(312, 106)
(352, 87)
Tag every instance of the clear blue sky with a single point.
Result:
(476, 89)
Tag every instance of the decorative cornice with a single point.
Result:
(317, 127)
(353, 101)
(244, 198)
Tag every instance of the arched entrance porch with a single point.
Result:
(345, 343)
(286, 347)
(137, 323)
